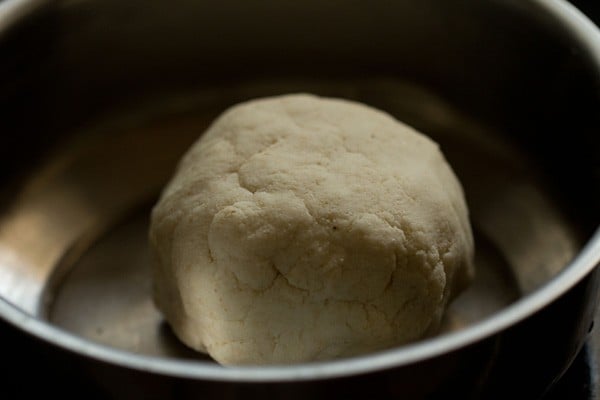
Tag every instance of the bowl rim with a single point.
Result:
(583, 30)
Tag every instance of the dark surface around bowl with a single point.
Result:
(508, 66)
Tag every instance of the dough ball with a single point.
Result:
(300, 228)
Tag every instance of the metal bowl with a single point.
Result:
(98, 100)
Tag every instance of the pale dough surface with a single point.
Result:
(300, 228)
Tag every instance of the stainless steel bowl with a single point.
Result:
(98, 99)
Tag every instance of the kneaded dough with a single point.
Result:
(300, 228)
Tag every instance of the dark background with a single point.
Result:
(589, 7)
